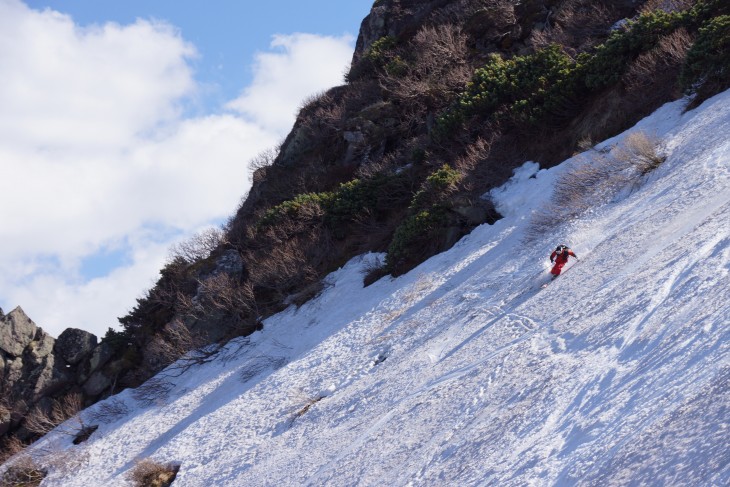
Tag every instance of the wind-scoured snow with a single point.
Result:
(466, 371)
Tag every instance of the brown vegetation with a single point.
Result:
(23, 472)
(40, 420)
(149, 473)
(587, 186)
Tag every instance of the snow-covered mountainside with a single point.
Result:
(466, 371)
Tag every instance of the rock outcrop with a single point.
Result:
(35, 368)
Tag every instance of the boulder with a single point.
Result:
(16, 332)
(73, 345)
(48, 378)
(101, 355)
(97, 383)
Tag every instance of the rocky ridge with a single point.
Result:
(35, 367)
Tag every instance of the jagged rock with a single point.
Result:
(73, 345)
(101, 355)
(96, 384)
(16, 332)
(48, 379)
(392, 18)
(13, 370)
(354, 144)
(230, 262)
(296, 143)
(42, 346)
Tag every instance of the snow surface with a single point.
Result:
(465, 371)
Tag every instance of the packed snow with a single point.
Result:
(467, 371)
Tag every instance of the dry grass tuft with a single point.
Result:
(641, 152)
(24, 472)
(9, 447)
(590, 185)
(42, 420)
(149, 473)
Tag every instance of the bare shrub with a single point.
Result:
(641, 152)
(41, 420)
(174, 342)
(314, 100)
(149, 473)
(475, 153)
(307, 293)
(9, 447)
(197, 247)
(669, 54)
(24, 472)
(109, 411)
(585, 143)
(222, 293)
(666, 5)
(574, 24)
(440, 67)
(591, 185)
(257, 166)
(154, 391)
(286, 266)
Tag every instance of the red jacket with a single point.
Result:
(561, 258)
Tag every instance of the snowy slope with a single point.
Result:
(465, 371)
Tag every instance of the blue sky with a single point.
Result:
(128, 126)
(226, 33)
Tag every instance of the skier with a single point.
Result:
(560, 257)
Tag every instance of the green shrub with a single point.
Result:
(521, 85)
(709, 57)
(118, 340)
(527, 89)
(437, 185)
(295, 207)
(397, 67)
(339, 207)
(409, 238)
(380, 56)
(379, 50)
(349, 200)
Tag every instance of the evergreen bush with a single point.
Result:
(708, 59)
(409, 238)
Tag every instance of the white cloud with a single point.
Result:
(95, 152)
(301, 65)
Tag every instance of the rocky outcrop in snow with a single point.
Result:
(35, 367)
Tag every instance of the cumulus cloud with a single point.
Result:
(300, 65)
(97, 156)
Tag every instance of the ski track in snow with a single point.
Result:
(465, 371)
